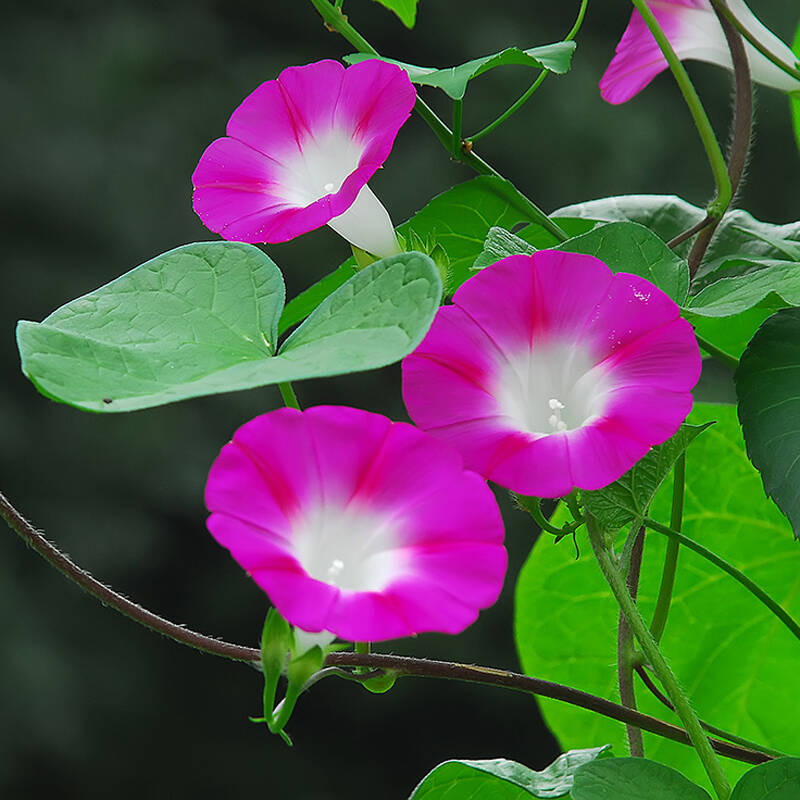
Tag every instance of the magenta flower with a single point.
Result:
(356, 525)
(549, 373)
(299, 153)
(694, 32)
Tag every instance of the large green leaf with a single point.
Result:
(298, 308)
(628, 498)
(623, 246)
(500, 779)
(739, 235)
(633, 779)
(405, 9)
(630, 247)
(453, 80)
(775, 285)
(775, 780)
(202, 319)
(732, 657)
(729, 334)
(768, 388)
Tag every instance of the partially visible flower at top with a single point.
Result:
(694, 32)
(356, 525)
(548, 372)
(299, 153)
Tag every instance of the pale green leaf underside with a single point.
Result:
(500, 779)
(633, 779)
(775, 282)
(453, 80)
(190, 322)
(730, 655)
(405, 9)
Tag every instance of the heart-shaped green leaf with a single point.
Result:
(500, 779)
(729, 653)
(768, 388)
(202, 319)
(453, 80)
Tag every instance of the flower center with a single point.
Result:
(325, 161)
(352, 548)
(551, 388)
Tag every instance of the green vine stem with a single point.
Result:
(626, 653)
(516, 106)
(288, 394)
(713, 729)
(713, 151)
(336, 21)
(715, 352)
(653, 654)
(458, 111)
(741, 129)
(790, 70)
(375, 661)
(671, 557)
(736, 574)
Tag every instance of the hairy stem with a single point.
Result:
(406, 666)
(713, 151)
(625, 648)
(741, 129)
(658, 662)
(736, 574)
(336, 21)
(715, 352)
(661, 612)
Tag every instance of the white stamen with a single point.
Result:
(335, 569)
(554, 387)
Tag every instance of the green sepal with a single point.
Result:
(275, 641)
(299, 671)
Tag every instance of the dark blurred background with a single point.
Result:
(107, 107)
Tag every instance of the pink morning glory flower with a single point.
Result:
(549, 372)
(299, 153)
(694, 32)
(356, 525)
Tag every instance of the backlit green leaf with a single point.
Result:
(729, 653)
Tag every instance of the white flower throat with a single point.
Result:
(551, 388)
(346, 546)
